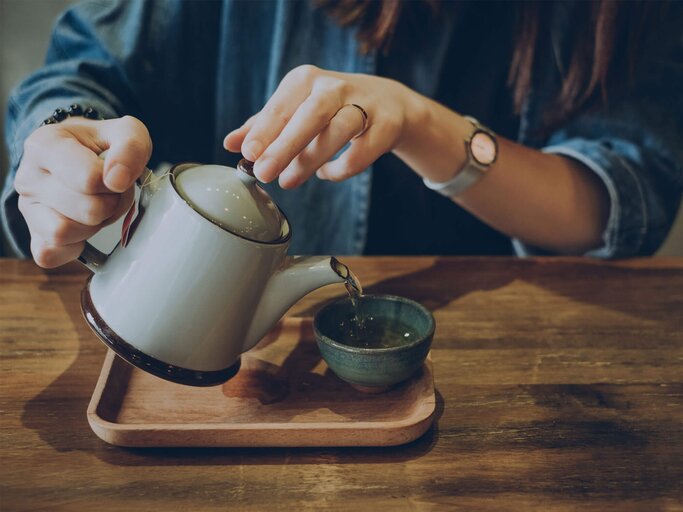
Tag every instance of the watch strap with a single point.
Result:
(468, 175)
(465, 178)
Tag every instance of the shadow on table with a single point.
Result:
(439, 284)
(57, 413)
(617, 286)
(568, 441)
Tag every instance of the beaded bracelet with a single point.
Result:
(74, 110)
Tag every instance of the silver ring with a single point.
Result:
(363, 114)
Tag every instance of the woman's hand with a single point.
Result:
(67, 193)
(303, 126)
(546, 200)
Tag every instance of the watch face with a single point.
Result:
(483, 148)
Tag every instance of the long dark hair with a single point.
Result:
(607, 35)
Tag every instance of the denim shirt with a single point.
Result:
(193, 71)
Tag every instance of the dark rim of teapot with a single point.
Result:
(173, 373)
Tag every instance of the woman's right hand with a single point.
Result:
(67, 193)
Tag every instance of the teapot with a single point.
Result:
(200, 275)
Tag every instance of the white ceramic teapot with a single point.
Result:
(201, 277)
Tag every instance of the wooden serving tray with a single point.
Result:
(284, 395)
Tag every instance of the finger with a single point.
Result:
(73, 164)
(88, 209)
(343, 127)
(310, 119)
(52, 227)
(49, 256)
(233, 140)
(360, 155)
(291, 92)
(129, 148)
(125, 202)
(28, 178)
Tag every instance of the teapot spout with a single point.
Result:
(298, 276)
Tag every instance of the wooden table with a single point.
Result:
(560, 385)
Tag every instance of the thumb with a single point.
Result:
(129, 148)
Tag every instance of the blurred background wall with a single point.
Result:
(25, 27)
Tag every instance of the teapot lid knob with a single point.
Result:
(246, 166)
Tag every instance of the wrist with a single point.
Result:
(429, 141)
(416, 116)
(481, 149)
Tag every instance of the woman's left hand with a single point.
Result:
(303, 126)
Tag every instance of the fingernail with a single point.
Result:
(265, 169)
(288, 178)
(252, 150)
(118, 178)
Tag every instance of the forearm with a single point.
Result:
(545, 200)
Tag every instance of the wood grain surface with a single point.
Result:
(559, 387)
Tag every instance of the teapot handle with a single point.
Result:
(93, 258)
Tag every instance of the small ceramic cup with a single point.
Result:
(369, 369)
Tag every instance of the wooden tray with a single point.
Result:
(284, 395)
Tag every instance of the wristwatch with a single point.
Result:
(482, 150)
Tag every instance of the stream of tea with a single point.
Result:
(370, 331)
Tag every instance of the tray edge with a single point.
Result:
(394, 433)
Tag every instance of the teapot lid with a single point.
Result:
(232, 199)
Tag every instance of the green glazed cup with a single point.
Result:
(374, 370)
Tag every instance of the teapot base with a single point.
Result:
(145, 362)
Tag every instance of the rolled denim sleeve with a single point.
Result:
(78, 63)
(644, 192)
(643, 196)
(637, 221)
